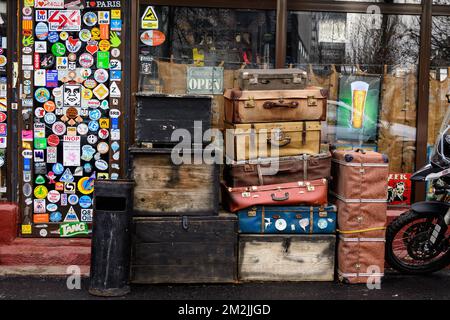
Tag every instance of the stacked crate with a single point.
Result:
(179, 235)
(287, 228)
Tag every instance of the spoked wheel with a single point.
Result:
(408, 247)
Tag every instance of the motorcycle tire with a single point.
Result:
(392, 231)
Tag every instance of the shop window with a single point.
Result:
(369, 65)
(227, 39)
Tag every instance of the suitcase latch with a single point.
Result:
(250, 103)
(312, 101)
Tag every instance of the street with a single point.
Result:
(394, 287)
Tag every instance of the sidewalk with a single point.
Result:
(395, 287)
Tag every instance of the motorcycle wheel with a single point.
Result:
(423, 262)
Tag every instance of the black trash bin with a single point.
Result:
(111, 238)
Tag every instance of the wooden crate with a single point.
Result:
(165, 189)
(185, 249)
(287, 258)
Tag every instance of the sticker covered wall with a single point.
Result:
(71, 106)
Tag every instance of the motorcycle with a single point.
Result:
(418, 242)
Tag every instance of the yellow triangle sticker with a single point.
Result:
(150, 19)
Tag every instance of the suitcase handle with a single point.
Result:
(282, 143)
(273, 105)
(285, 198)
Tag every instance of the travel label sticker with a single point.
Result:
(64, 20)
(85, 202)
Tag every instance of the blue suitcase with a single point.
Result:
(288, 220)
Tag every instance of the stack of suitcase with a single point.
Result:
(360, 190)
(280, 196)
(179, 234)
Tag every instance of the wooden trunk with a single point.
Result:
(185, 250)
(165, 189)
(261, 140)
(287, 258)
(159, 115)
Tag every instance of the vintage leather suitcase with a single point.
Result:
(185, 249)
(281, 170)
(272, 79)
(361, 260)
(309, 193)
(287, 258)
(288, 220)
(262, 140)
(159, 115)
(165, 189)
(275, 105)
(360, 175)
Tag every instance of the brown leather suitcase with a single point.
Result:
(275, 171)
(272, 79)
(275, 105)
(361, 260)
(262, 140)
(310, 193)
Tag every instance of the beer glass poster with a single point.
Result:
(357, 115)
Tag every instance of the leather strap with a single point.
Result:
(304, 133)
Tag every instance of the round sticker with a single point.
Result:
(56, 217)
(27, 11)
(64, 36)
(281, 224)
(95, 34)
(27, 50)
(104, 45)
(41, 31)
(85, 35)
(3, 61)
(86, 186)
(50, 106)
(50, 118)
(43, 233)
(114, 113)
(54, 196)
(90, 19)
(73, 45)
(87, 94)
(27, 190)
(82, 129)
(90, 83)
(95, 115)
(59, 128)
(322, 224)
(85, 73)
(40, 192)
(58, 49)
(58, 169)
(86, 60)
(53, 37)
(115, 53)
(53, 140)
(57, 92)
(51, 207)
(101, 165)
(103, 148)
(103, 134)
(3, 117)
(93, 126)
(153, 38)
(87, 168)
(92, 139)
(73, 199)
(72, 57)
(101, 75)
(42, 95)
(39, 113)
(72, 113)
(48, 61)
(85, 202)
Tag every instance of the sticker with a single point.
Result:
(95, 34)
(67, 177)
(92, 139)
(103, 60)
(27, 11)
(72, 96)
(53, 140)
(104, 17)
(95, 115)
(73, 45)
(78, 172)
(103, 134)
(58, 169)
(27, 229)
(85, 35)
(51, 207)
(153, 38)
(50, 118)
(116, 25)
(85, 203)
(73, 199)
(87, 168)
(115, 135)
(27, 190)
(114, 90)
(101, 75)
(101, 165)
(87, 215)
(83, 129)
(115, 53)
(40, 47)
(56, 217)
(115, 146)
(40, 192)
(84, 73)
(52, 155)
(86, 185)
(64, 36)
(39, 206)
(90, 19)
(104, 45)
(116, 75)
(104, 123)
(42, 95)
(92, 47)
(39, 78)
(91, 84)
(41, 218)
(59, 186)
(93, 126)
(150, 20)
(51, 175)
(52, 4)
(41, 30)
(41, 15)
(114, 113)
(72, 153)
(322, 224)
(115, 65)
(59, 128)
(64, 20)
(53, 37)
(88, 153)
(86, 60)
(103, 148)
(104, 105)
(51, 79)
(58, 49)
(64, 197)
(101, 92)
(54, 196)
(73, 229)
(48, 61)
(71, 216)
